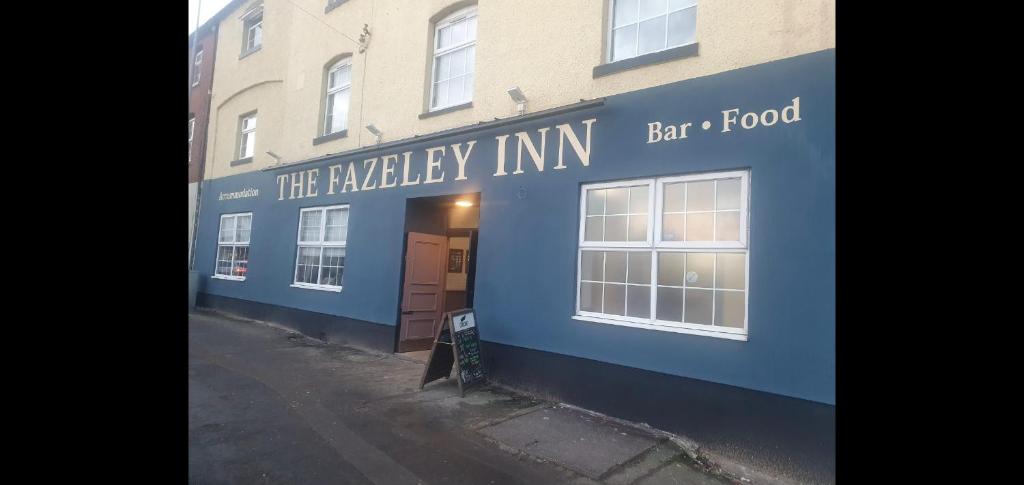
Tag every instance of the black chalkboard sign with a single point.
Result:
(457, 344)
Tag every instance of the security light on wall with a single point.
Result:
(374, 131)
(276, 156)
(519, 98)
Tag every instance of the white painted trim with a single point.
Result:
(229, 278)
(458, 16)
(306, 286)
(663, 328)
(329, 91)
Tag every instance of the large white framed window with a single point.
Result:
(252, 23)
(196, 64)
(246, 135)
(454, 59)
(666, 254)
(233, 246)
(339, 87)
(641, 27)
(320, 258)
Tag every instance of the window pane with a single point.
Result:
(728, 194)
(625, 12)
(455, 90)
(444, 37)
(333, 266)
(444, 67)
(639, 267)
(337, 225)
(650, 8)
(339, 111)
(224, 255)
(441, 94)
(682, 27)
(670, 268)
(308, 266)
(699, 226)
(730, 271)
(244, 228)
(615, 228)
(669, 304)
(700, 269)
(615, 266)
(595, 202)
(638, 199)
(458, 32)
(638, 228)
(652, 35)
(227, 229)
(467, 88)
(458, 62)
(624, 43)
(700, 196)
(675, 200)
(672, 227)
(729, 311)
(592, 266)
(727, 226)
(594, 230)
(590, 297)
(614, 299)
(310, 226)
(678, 4)
(241, 265)
(344, 76)
(470, 60)
(250, 144)
(638, 301)
(617, 200)
(698, 306)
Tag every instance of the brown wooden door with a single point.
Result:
(422, 291)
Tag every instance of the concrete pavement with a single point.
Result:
(271, 406)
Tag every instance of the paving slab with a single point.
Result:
(573, 439)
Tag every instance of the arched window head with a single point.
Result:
(454, 56)
(337, 92)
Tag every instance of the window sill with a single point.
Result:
(333, 4)
(241, 161)
(438, 112)
(681, 52)
(249, 52)
(664, 328)
(336, 289)
(226, 277)
(333, 136)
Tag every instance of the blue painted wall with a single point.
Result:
(525, 290)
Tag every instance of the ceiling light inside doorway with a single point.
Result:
(464, 203)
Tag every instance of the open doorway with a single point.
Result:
(439, 266)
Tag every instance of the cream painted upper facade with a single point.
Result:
(548, 48)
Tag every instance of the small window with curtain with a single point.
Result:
(233, 246)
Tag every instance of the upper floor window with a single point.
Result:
(339, 85)
(247, 136)
(196, 64)
(641, 27)
(666, 254)
(454, 53)
(191, 130)
(233, 246)
(253, 30)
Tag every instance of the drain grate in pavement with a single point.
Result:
(574, 440)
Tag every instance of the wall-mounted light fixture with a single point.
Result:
(519, 98)
(374, 131)
(276, 156)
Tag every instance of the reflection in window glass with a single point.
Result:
(320, 258)
(233, 246)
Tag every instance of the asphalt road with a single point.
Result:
(266, 408)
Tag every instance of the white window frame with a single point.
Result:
(655, 246)
(233, 244)
(191, 132)
(245, 134)
(196, 66)
(460, 15)
(611, 31)
(247, 30)
(336, 90)
(319, 244)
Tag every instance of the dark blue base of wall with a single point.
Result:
(330, 328)
(779, 436)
